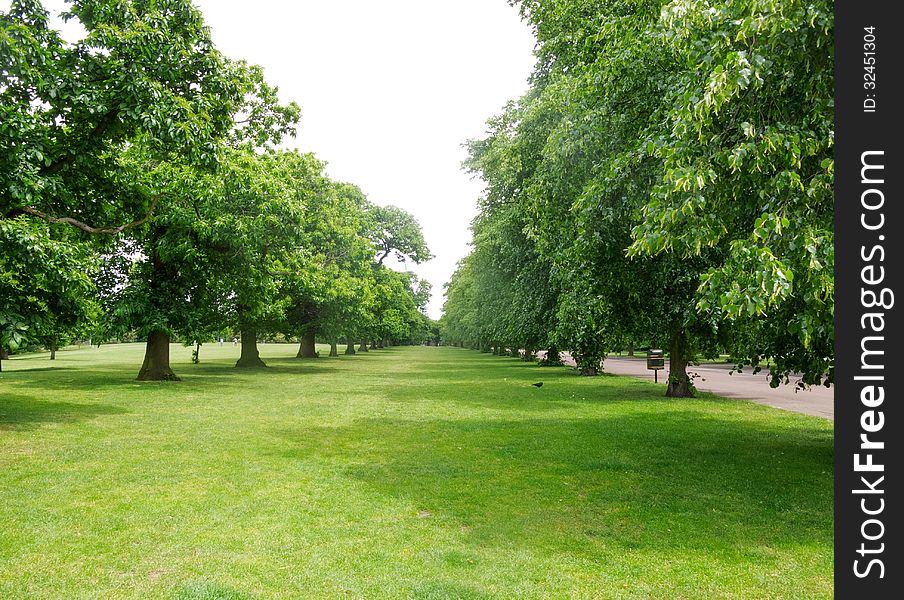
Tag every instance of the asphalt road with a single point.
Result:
(717, 378)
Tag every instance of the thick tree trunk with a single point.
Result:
(156, 365)
(308, 346)
(552, 357)
(334, 348)
(250, 357)
(53, 347)
(380, 344)
(350, 347)
(515, 353)
(679, 382)
(363, 347)
(589, 370)
(3, 356)
(373, 345)
(630, 348)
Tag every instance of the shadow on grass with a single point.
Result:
(650, 482)
(84, 379)
(26, 412)
(36, 369)
(297, 366)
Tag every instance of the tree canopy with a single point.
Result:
(144, 194)
(670, 170)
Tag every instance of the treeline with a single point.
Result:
(143, 196)
(667, 181)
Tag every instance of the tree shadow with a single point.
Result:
(36, 369)
(20, 412)
(217, 373)
(628, 482)
(299, 366)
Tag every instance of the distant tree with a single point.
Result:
(395, 232)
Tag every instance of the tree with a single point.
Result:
(657, 161)
(395, 232)
(747, 150)
(329, 289)
(255, 224)
(82, 124)
(44, 287)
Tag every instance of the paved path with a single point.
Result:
(716, 378)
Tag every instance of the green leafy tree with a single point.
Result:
(329, 290)
(747, 152)
(675, 179)
(83, 124)
(45, 291)
(255, 225)
(395, 232)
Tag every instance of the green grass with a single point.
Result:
(400, 473)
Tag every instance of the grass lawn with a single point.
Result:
(400, 473)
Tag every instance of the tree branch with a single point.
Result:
(386, 252)
(29, 210)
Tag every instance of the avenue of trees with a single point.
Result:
(144, 196)
(666, 181)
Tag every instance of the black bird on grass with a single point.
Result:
(539, 384)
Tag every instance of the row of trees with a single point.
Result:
(667, 180)
(143, 194)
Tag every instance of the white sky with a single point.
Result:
(389, 91)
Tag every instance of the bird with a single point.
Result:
(539, 384)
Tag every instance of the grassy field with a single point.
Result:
(401, 473)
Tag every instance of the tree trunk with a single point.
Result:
(350, 348)
(308, 346)
(552, 357)
(362, 347)
(630, 348)
(380, 344)
(250, 358)
(3, 356)
(589, 370)
(156, 365)
(515, 353)
(373, 345)
(679, 383)
(334, 348)
(53, 347)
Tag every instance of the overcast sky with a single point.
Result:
(389, 91)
